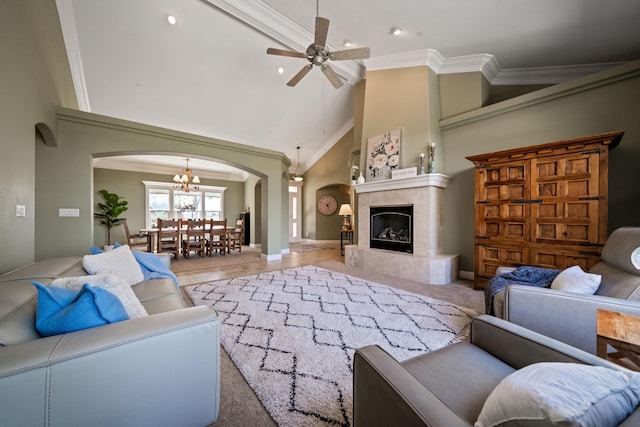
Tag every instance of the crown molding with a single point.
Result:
(487, 65)
(281, 29)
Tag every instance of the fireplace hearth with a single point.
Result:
(392, 228)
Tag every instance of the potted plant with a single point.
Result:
(110, 210)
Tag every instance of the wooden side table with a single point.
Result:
(622, 332)
(346, 238)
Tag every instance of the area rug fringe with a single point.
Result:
(292, 334)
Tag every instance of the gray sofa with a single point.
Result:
(160, 370)
(570, 317)
(448, 387)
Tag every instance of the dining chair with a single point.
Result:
(140, 242)
(193, 238)
(235, 236)
(169, 236)
(217, 236)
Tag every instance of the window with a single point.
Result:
(165, 202)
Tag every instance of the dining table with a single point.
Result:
(153, 232)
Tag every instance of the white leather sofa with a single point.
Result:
(160, 370)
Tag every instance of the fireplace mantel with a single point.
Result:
(427, 180)
(427, 263)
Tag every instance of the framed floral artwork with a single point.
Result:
(383, 155)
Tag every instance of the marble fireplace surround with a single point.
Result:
(427, 263)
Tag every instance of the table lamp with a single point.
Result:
(345, 209)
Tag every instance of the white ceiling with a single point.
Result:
(210, 75)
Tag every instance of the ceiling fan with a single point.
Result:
(318, 54)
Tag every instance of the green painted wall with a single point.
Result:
(603, 102)
(35, 79)
(129, 185)
(83, 136)
(331, 175)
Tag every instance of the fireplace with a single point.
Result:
(392, 228)
(408, 203)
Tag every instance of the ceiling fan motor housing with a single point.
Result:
(317, 54)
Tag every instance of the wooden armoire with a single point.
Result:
(544, 205)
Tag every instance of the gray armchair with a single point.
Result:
(570, 317)
(448, 387)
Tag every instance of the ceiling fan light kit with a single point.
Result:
(318, 54)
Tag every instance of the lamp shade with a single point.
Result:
(345, 209)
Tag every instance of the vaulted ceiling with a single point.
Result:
(209, 73)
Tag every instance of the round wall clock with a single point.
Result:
(327, 205)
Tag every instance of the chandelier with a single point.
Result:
(297, 176)
(185, 182)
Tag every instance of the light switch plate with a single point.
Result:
(21, 211)
(68, 212)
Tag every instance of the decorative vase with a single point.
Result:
(361, 179)
(432, 158)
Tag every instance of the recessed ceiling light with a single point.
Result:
(280, 70)
(171, 19)
(396, 31)
(348, 43)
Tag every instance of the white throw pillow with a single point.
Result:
(567, 394)
(573, 279)
(114, 284)
(119, 261)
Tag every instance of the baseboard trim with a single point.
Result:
(466, 274)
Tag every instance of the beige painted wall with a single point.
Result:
(599, 103)
(129, 185)
(464, 92)
(397, 98)
(35, 80)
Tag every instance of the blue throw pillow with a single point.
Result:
(61, 310)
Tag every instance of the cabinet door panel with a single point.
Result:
(492, 256)
(503, 221)
(561, 259)
(565, 199)
(503, 182)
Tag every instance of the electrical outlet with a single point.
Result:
(21, 211)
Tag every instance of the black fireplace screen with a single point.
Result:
(392, 228)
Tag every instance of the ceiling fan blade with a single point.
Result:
(335, 80)
(294, 81)
(272, 51)
(322, 29)
(358, 53)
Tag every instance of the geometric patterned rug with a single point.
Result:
(292, 334)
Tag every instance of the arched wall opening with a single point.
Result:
(65, 179)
